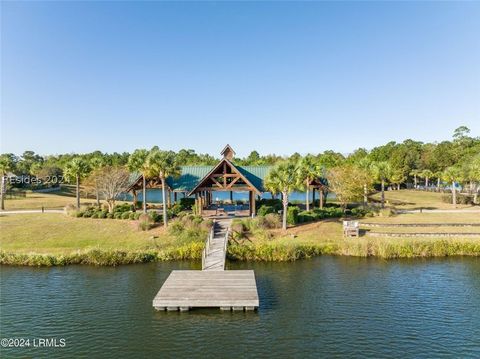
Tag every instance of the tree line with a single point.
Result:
(423, 165)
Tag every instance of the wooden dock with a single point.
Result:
(213, 286)
(227, 290)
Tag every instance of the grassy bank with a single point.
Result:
(57, 239)
(325, 237)
(413, 199)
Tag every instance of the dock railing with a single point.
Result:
(207, 244)
(227, 235)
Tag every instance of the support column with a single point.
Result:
(250, 195)
(175, 197)
(231, 196)
(169, 198)
(313, 197)
(134, 199)
(254, 209)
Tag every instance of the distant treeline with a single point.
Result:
(406, 157)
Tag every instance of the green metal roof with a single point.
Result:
(255, 174)
(191, 175)
(189, 178)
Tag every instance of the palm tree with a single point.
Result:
(427, 174)
(308, 171)
(366, 165)
(138, 162)
(284, 179)
(74, 170)
(452, 175)
(438, 176)
(6, 164)
(96, 163)
(382, 172)
(415, 173)
(474, 174)
(163, 164)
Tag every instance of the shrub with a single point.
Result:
(102, 214)
(132, 215)
(176, 209)
(292, 215)
(155, 216)
(125, 207)
(126, 215)
(272, 220)
(264, 210)
(110, 215)
(187, 203)
(117, 215)
(145, 222)
(461, 198)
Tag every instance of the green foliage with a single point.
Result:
(121, 208)
(461, 198)
(155, 216)
(292, 215)
(264, 210)
(126, 215)
(187, 203)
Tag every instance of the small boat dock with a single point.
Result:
(213, 286)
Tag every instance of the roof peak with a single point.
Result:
(228, 152)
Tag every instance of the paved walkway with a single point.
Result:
(25, 211)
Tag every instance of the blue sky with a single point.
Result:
(277, 77)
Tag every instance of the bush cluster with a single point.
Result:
(190, 227)
(461, 198)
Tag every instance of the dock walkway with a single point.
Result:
(213, 286)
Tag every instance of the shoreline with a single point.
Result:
(261, 252)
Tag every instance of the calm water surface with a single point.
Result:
(325, 307)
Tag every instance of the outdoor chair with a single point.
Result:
(351, 229)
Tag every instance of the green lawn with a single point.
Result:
(410, 199)
(35, 200)
(60, 234)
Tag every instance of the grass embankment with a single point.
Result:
(35, 200)
(413, 199)
(57, 239)
(325, 237)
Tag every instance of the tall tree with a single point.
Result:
(283, 178)
(74, 170)
(365, 164)
(427, 174)
(112, 181)
(163, 164)
(309, 170)
(138, 162)
(347, 182)
(7, 163)
(382, 173)
(474, 174)
(96, 163)
(415, 173)
(452, 175)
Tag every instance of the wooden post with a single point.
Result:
(231, 197)
(169, 198)
(313, 197)
(254, 210)
(134, 199)
(175, 197)
(250, 195)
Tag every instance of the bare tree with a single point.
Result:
(112, 181)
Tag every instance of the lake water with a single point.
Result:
(155, 196)
(324, 307)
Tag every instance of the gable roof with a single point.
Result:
(191, 176)
(234, 168)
